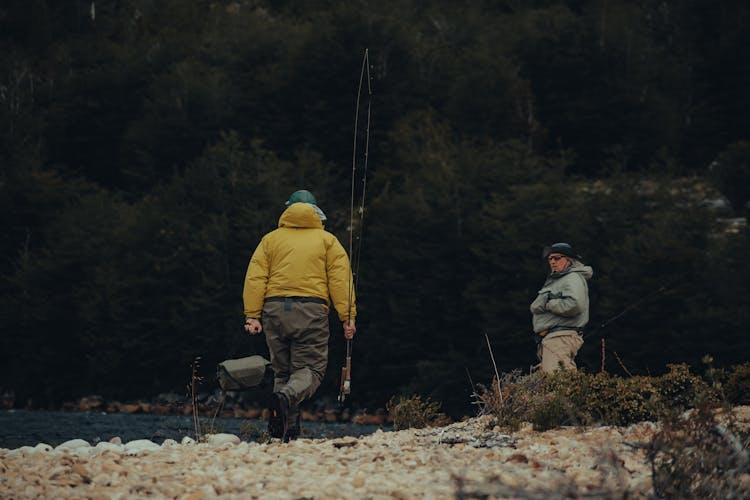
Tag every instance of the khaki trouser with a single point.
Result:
(297, 338)
(558, 350)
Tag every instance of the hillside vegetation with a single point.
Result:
(146, 146)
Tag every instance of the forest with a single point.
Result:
(147, 145)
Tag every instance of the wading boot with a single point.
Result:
(277, 420)
(277, 424)
(293, 431)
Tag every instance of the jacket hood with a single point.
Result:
(585, 271)
(300, 215)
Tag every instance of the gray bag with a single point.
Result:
(244, 373)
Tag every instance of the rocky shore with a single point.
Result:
(468, 459)
(462, 460)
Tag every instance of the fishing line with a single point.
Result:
(361, 209)
(630, 307)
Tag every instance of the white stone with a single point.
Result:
(20, 452)
(107, 446)
(73, 444)
(217, 440)
(188, 441)
(43, 448)
(169, 443)
(139, 446)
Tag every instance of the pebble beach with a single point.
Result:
(467, 459)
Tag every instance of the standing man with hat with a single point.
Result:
(293, 273)
(561, 308)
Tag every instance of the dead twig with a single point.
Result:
(497, 375)
(621, 364)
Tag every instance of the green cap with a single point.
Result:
(302, 196)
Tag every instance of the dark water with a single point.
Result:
(24, 427)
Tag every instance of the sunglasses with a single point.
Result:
(555, 258)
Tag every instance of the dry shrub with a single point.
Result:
(569, 397)
(513, 403)
(679, 388)
(737, 386)
(554, 410)
(700, 451)
(620, 401)
(253, 430)
(408, 412)
(696, 455)
(545, 400)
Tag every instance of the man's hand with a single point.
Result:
(253, 326)
(349, 329)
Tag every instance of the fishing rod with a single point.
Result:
(630, 307)
(346, 370)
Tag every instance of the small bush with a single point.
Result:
(737, 386)
(251, 430)
(554, 412)
(408, 412)
(621, 401)
(701, 453)
(698, 456)
(679, 387)
(514, 403)
(569, 397)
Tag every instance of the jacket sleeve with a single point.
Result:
(537, 307)
(256, 278)
(569, 301)
(340, 282)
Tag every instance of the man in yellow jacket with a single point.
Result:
(293, 273)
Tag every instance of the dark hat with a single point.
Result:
(563, 248)
(302, 196)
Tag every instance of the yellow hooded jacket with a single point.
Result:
(299, 259)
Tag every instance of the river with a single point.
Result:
(30, 427)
